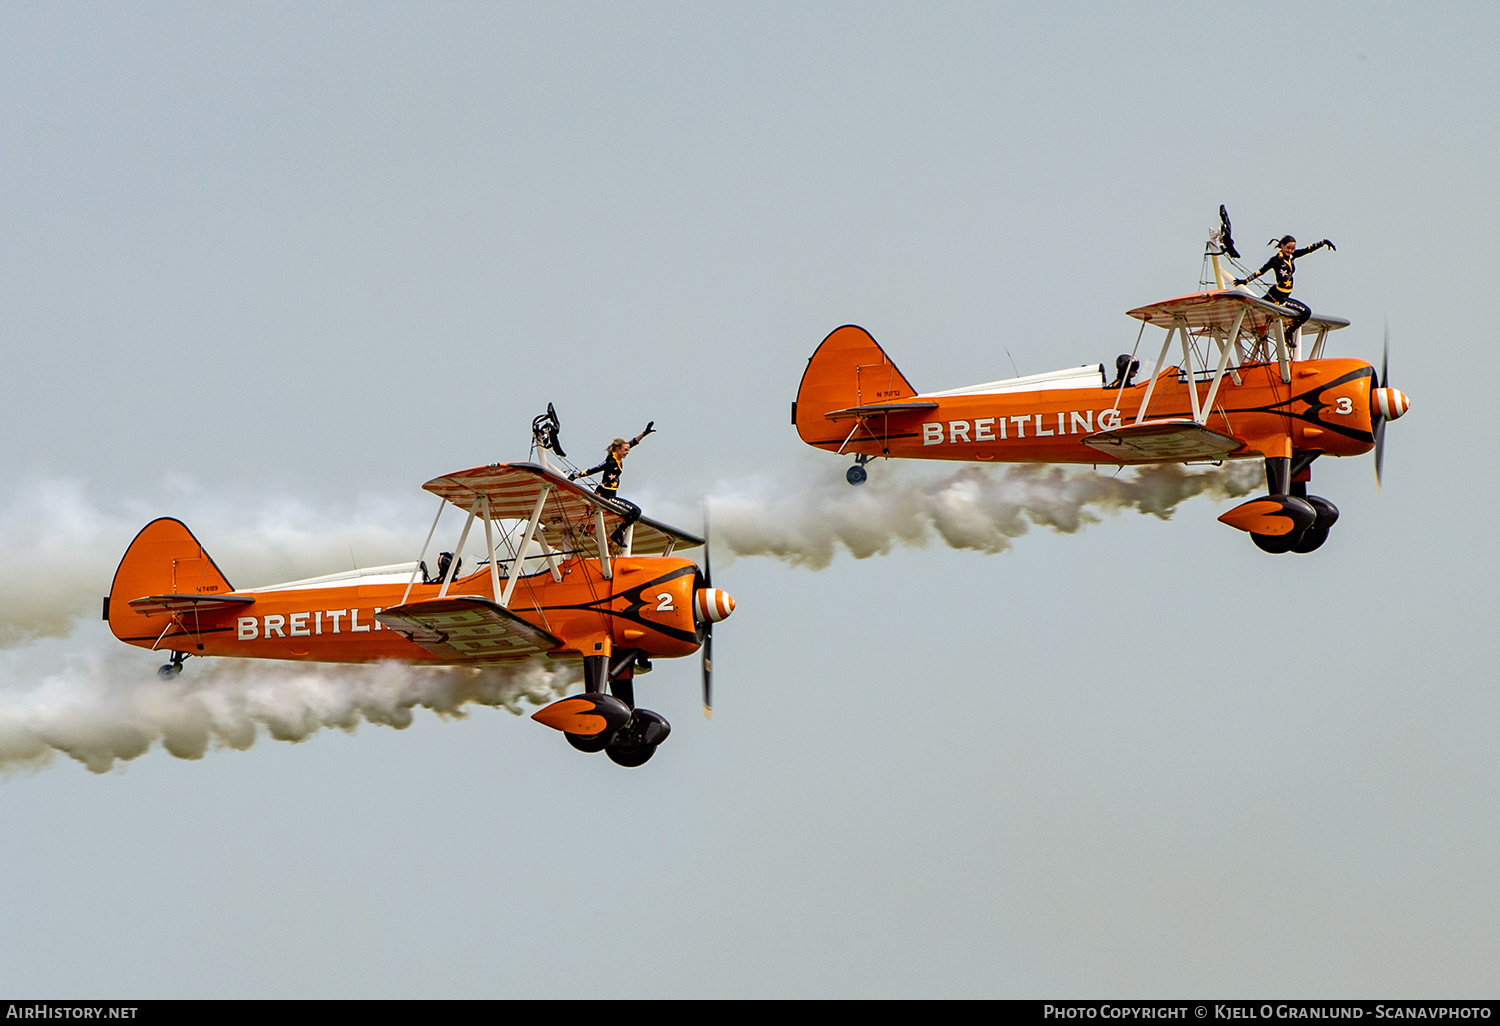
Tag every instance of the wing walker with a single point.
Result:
(552, 584)
(1248, 386)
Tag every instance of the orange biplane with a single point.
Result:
(1240, 392)
(562, 591)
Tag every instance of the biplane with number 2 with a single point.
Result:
(1241, 391)
(556, 587)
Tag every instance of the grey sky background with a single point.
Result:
(280, 264)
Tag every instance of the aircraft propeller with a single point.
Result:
(710, 605)
(1386, 403)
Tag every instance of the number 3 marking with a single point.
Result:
(1344, 405)
(664, 602)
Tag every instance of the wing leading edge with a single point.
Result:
(512, 490)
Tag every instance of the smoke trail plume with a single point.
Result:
(59, 546)
(103, 708)
(803, 518)
(101, 703)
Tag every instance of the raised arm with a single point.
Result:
(1315, 246)
(1263, 269)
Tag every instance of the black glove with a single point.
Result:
(649, 428)
(574, 476)
(1241, 281)
(1330, 245)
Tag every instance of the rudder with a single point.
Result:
(164, 559)
(848, 369)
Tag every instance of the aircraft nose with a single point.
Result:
(1390, 403)
(710, 605)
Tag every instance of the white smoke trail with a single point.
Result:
(104, 707)
(59, 546)
(803, 516)
(101, 703)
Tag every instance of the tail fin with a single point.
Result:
(164, 559)
(848, 369)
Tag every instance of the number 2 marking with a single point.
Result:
(664, 602)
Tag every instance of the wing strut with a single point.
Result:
(1279, 331)
(418, 568)
(1224, 350)
(1161, 358)
(457, 555)
(603, 543)
(489, 544)
(541, 540)
(536, 517)
(1187, 363)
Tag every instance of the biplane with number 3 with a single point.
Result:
(556, 587)
(1241, 391)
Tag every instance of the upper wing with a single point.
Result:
(1218, 309)
(512, 489)
(468, 627)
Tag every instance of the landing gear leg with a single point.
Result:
(172, 670)
(856, 474)
(1279, 483)
(1328, 513)
(595, 677)
(636, 741)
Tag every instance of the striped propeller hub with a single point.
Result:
(1390, 403)
(710, 605)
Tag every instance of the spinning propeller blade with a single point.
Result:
(1386, 404)
(708, 628)
(1385, 377)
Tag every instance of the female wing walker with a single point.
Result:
(1239, 393)
(562, 591)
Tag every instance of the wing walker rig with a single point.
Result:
(554, 585)
(1247, 387)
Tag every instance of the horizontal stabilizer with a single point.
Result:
(877, 409)
(155, 605)
(467, 627)
(1161, 440)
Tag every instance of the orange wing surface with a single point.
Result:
(468, 627)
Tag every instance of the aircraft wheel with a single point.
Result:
(1277, 543)
(583, 743)
(1311, 539)
(630, 755)
(169, 671)
(856, 475)
(1317, 534)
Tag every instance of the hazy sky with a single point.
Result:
(270, 267)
